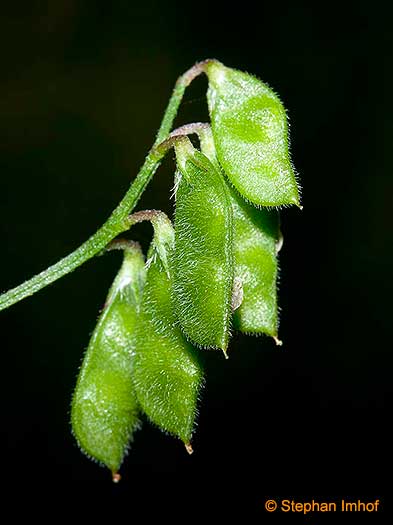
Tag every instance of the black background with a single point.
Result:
(84, 87)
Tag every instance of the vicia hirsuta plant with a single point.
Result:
(214, 270)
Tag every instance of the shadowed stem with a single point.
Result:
(118, 221)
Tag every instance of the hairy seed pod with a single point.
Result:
(256, 234)
(203, 258)
(167, 374)
(251, 136)
(256, 237)
(105, 410)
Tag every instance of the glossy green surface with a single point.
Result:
(203, 258)
(104, 408)
(256, 234)
(251, 136)
(167, 375)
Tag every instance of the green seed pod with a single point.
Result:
(251, 136)
(167, 374)
(104, 411)
(256, 237)
(203, 258)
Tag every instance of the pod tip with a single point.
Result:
(189, 448)
(116, 477)
(295, 200)
(225, 353)
(277, 341)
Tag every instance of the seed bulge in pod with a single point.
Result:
(256, 237)
(250, 131)
(203, 257)
(167, 373)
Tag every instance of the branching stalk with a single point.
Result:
(118, 221)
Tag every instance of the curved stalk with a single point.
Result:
(118, 220)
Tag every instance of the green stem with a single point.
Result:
(117, 222)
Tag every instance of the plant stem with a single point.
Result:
(117, 221)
